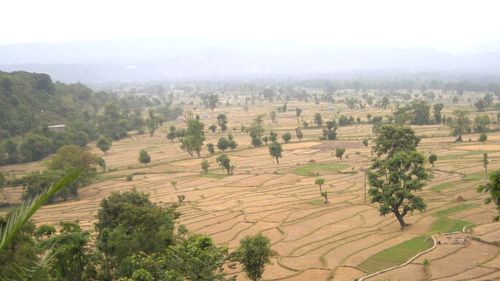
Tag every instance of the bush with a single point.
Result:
(130, 177)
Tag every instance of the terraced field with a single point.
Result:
(342, 240)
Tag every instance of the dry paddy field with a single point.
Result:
(343, 240)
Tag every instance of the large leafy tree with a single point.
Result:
(493, 188)
(275, 150)
(256, 130)
(193, 140)
(224, 162)
(254, 254)
(222, 122)
(460, 124)
(397, 173)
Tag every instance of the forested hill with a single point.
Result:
(30, 102)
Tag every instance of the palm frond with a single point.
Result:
(27, 209)
(33, 272)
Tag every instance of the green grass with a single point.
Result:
(396, 255)
(463, 154)
(445, 225)
(309, 169)
(475, 176)
(455, 209)
(442, 186)
(402, 252)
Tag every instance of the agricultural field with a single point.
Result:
(345, 239)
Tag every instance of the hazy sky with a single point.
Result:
(450, 25)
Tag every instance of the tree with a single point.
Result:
(222, 122)
(193, 140)
(318, 120)
(224, 162)
(171, 135)
(299, 134)
(223, 144)
(365, 142)
(437, 108)
(393, 138)
(324, 194)
(396, 176)
(232, 142)
(71, 158)
(256, 130)
(286, 137)
(273, 136)
(104, 144)
(275, 151)
(254, 253)
(330, 132)
(212, 128)
(273, 116)
(481, 123)
(483, 137)
(460, 124)
(493, 188)
(129, 223)
(339, 153)
(204, 166)
(432, 158)
(486, 161)
(210, 148)
(144, 157)
(481, 104)
(298, 112)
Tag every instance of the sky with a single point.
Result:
(447, 25)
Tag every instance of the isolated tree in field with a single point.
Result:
(437, 108)
(223, 144)
(144, 157)
(318, 120)
(211, 148)
(171, 135)
(397, 172)
(174, 184)
(298, 112)
(365, 142)
(213, 128)
(212, 101)
(204, 166)
(339, 153)
(483, 137)
(481, 123)
(319, 183)
(286, 137)
(273, 136)
(224, 162)
(493, 188)
(222, 122)
(256, 130)
(273, 116)
(432, 158)
(104, 144)
(254, 253)
(393, 138)
(232, 142)
(193, 140)
(299, 134)
(486, 161)
(275, 151)
(101, 163)
(330, 132)
(460, 123)
(324, 194)
(265, 139)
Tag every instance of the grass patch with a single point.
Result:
(211, 174)
(396, 255)
(309, 169)
(442, 186)
(445, 224)
(475, 176)
(456, 209)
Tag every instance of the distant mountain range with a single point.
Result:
(157, 59)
